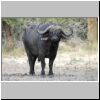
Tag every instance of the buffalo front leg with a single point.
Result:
(51, 66)
(43, 66)
(31, 64)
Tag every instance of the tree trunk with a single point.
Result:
(92, 29)
(7, 29)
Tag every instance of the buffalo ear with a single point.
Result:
(45, 34)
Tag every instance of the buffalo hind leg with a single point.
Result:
(31, 60)
(51, 66)
(31, 64)
(43, 66)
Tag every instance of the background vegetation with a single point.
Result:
(85, 31)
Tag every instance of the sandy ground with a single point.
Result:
(67, 67)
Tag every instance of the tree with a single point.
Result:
(92, 29)
(6, 27)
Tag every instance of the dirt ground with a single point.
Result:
(67, 67)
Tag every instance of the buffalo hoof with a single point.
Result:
(32, 73)
(42, 73)
(51, 74)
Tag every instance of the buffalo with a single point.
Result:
(42, 41)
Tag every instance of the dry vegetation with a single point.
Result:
(74, 62)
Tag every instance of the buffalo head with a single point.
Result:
(54, 33)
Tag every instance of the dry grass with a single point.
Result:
(15, 52)
(80, 47)
(74, 62)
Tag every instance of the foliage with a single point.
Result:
(17, 25)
